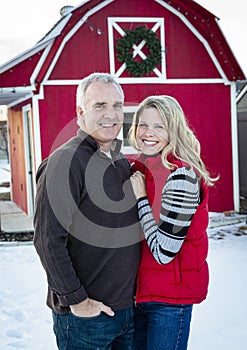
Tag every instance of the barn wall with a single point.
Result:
(57, 117)
(210, 120)
(87, 51)
(15, 76)
(206, 105)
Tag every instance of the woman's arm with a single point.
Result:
(180, 198)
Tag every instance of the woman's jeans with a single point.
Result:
(161, 326)
(100, 332)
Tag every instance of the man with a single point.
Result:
(86, 226)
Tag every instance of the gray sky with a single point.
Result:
(24, 22)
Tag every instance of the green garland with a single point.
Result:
(125, 53)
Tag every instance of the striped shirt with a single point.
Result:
(180, 198)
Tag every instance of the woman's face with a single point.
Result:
(151, 134)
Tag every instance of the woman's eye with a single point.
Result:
(159, 126)
(142, 125)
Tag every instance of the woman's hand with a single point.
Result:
(138, 184)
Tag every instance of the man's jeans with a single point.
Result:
(161, 326)
(101, 332)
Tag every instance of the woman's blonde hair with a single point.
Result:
(183, 144)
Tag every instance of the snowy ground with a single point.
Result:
(5, 176)
(219, 323)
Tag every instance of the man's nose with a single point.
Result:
(110, 112)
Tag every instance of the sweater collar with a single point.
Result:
(115, 146)
(151, 162)
(156, 159)
(146, 163)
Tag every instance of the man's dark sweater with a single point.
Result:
(86, 227)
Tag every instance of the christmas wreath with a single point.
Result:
(124, 48)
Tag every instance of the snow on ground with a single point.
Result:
(24, 318)
(219, 323)
(5, 176)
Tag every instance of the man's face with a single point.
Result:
(102, 115)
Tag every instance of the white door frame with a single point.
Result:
(29, 157)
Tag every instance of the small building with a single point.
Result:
(170, 47)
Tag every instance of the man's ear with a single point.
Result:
(79, 111)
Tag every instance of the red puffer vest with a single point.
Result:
(185, 279)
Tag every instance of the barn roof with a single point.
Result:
(22, 75)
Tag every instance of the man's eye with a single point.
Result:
(99, 107)
(118, 106)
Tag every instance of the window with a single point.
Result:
(128, 117)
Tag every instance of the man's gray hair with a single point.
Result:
(94, 77)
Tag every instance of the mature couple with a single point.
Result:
(95, 214)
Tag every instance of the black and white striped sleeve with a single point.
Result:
(180, 198)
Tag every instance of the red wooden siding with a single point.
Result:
(210, 120)
(57, 111)
(186, 55)
(20, 74)
(87, 51)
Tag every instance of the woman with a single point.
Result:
(170, 182)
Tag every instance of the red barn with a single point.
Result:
(153, 47)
